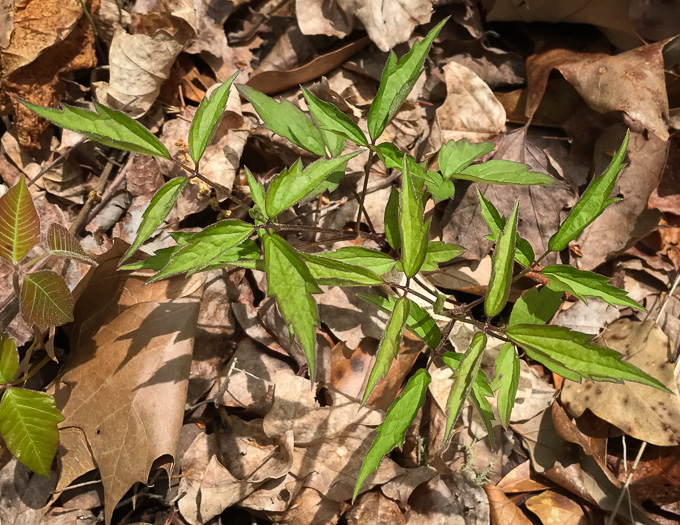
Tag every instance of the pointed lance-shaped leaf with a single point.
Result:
(106, 126)
(284, 119)
(156, 212)
(397, 81)
(392, 232)
(593, 202)
(414, 234)
(331, 272)
(207, 118)
(291, 282)
(45, 299)
(536, 306)
(28, 425)
(392, 431)
(294, 183)
(506, 381)
(503, 172)
(571, 355)
(9, 359)
(389, 345)
(501, 269)
(456, 155)
(439, 252)
(582, 284)
(332, 119)
(464, 377)
(257, 212)
(373, 260)
(19, 223)
(62, 242)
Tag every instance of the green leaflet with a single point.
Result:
(398, 79)
(507, 380)
(45, 299)
(439, 252)
(19, 223)
(28, 424)
(208, 116)
(293, 184)
(524, 253)
(284, 119)
(392, 220)
(331, 272)
(389, 345)
(106, 126)
(157, 261)
(393, 429)
(247, 254)
(293, 285)
(536, 306)
(9, 359)
(332, 119)
(479, 392)
(61, 242)
(419, 322)
(414, 234)
(465, 376)
(205, 246)
(584, 284)
(156, 212)
(562, 350)
(258, 211)
(501, 271)
(592, 203)
(372, 260)
(503, 172)
(456, 155)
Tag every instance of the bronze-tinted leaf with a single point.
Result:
(19, 223)
(62, 242)
(45, 299)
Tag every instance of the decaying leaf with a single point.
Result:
(126, 382)
(553, 507)
(645, 413)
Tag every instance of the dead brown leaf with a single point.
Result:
(374, 508)
(502, 509)
(554, 508)
(657, 476)
(126, 382)
(520, 479)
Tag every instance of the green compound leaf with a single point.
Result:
(294, 183)
(284, 119)
(464, 377)
(392, 220)
(373, 260)
(393, 158)
(536, 306)
(106, 126)
(506, 381)
(19, 223)
(207, 118)
(456, 155)
(9, 359)
(478, 394)
(592, 203)
(156, 212)
(419, 322)
(61, 242)
(584, 284)
(524, 253)
(414, 234)
(332, 119)
(439, 252)
(291, 282)
(570, 355)
(45, 299)
(204, 247)
(392, 431)
(398, 79)
(330, 272)
(501, 270)
(503, 172)
(28, 424)
(258, 212)
(389, 345)
(156, 262)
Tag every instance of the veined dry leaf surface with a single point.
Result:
(554, 508)
(645, 413)
(503, 509)
(126, 381)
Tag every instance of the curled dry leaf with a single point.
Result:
(640, 411)
(555, 508)
(503, 509)
(126, 382)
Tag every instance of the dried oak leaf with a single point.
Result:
(503, 509)
(126, 381)
(643, 412)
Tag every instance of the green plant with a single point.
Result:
(294, 276)
(28, 419)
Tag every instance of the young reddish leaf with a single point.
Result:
(45, 299)
(62, 242)
(19, 223)
(28, 424)
(9, 359)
